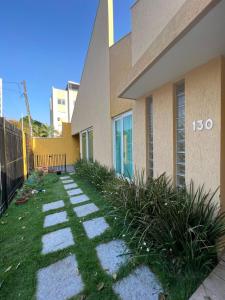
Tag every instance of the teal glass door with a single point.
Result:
(118, 146)
(127, 146)
(123, 144)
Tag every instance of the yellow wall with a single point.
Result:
(67, 144)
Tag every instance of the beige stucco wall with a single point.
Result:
(92, 107)
(149, 17)
(222, 170)
(163, 131)
(120, 65)
(139, 135)
(186, 16)
(203, 148)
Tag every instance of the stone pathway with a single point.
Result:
(53, 205)
(84, 210)
(55, 219)
(61, 280)
(95, 227)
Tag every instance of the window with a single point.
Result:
(180, 135)
(149, 137)
(123, 145)
(61, 101)
(87, 144)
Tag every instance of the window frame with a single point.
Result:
(86, 131)
(61, 101)
(121, 117)
(149, 136)
(180, 91)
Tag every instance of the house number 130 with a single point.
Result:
(200, 125)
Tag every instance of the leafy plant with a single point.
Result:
(181, 228)
(95, 173)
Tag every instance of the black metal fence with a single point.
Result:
(54, 162)
(11, 162)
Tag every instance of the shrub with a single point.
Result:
(182, 226)
(95, 173)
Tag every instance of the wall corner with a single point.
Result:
(110, 23)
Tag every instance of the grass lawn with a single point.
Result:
(21, 230)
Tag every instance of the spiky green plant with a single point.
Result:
(183, 226)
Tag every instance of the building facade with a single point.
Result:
(157, 103)
(62, 104)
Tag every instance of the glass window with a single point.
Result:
(123, 145)
(127, 146)
(87, 144)
(118, 146)
(180, 135)
(84, 146)
(90, 145)
(150, 137)
(61, 101)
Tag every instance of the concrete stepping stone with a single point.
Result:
(140, 284)
(56, 218)
(59, 281)
(70, 186)
(53, 205)
(79, 199)
(65, 177)
(67, 181)
(74, 192)
(113, 255)
(57, 240)
(95, 227)
(84, 210)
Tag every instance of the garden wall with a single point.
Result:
(66, 144)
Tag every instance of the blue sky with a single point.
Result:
(45, 42)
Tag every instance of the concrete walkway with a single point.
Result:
(213, 287)
(60, 280)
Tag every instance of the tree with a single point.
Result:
(39, 129)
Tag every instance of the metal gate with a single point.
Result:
(11, 162)
(54, 162)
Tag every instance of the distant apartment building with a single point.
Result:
(62, 105)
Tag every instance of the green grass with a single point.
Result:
(21, 229)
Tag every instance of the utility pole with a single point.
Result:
(1, 101)
(27, 106)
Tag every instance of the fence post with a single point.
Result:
(24, 145)
(65, 163)
(4, 167)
